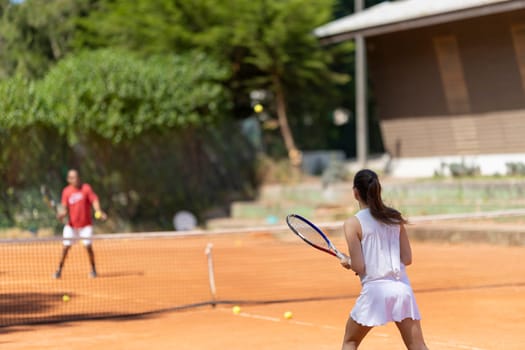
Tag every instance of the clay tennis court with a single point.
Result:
(472, 296)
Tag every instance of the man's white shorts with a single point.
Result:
(72, 234)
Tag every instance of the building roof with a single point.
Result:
(392, 16)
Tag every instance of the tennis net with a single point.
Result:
(145, 273)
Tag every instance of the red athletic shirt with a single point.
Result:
(78, 202)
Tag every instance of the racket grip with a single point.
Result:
(344, 257)
(340, 255)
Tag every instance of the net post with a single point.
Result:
(211, 273)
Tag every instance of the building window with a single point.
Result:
(452, 74)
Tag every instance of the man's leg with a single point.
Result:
(91, 255)
(65, 250)
(67, 233)
(86, 233)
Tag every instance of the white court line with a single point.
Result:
(299, 323)
(451, 345)
(259, 317)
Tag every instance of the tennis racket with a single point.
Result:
(50, 200)
(313, 235)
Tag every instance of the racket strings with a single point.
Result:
(308, 232)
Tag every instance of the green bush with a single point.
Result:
(462, 169)
(151, 136)
(119, 96)
(515, 168)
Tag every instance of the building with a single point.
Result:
(448, 80)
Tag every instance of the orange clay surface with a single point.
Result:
(470, 296)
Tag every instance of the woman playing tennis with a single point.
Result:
(380, 250)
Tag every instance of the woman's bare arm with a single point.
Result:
(352, 229)
(404, 246)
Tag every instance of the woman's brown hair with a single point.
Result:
(367, 184)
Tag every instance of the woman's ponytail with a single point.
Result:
(367, 184)
(373, 195)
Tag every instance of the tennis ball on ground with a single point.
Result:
(65, 298)
(258, 108)
(288, 315)
(236, 309)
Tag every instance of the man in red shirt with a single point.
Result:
(77, 200)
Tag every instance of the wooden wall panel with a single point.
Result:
(493, 133)
(452, 74)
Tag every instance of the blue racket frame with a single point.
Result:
(332, 249)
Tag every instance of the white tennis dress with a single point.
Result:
(386, 294)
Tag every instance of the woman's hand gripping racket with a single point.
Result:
(314, 236)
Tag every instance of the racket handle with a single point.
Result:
(341, 256)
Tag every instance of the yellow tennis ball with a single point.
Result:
(258, 108)
(65, 298)
(236, 309)
(98, 215)
(288, 315)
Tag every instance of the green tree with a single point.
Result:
(160, 26)
(36, 33)
(29, 150)
(289, 58)
(265, 44)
